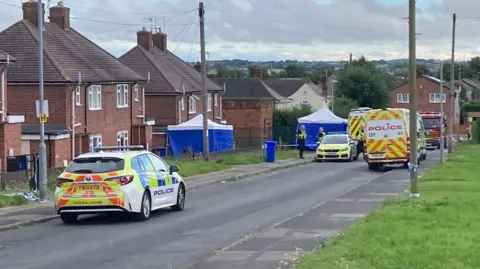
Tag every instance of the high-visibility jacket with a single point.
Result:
(320, 136)
(301, 134)
(360, 136)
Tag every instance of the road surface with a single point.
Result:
(214, 217)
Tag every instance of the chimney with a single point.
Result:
(257, 71)
(144, 38)
(60, 15)
(198, 67)
(160, 40)
(30, 12)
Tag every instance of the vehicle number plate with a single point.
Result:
(89, 187)
(331, 154)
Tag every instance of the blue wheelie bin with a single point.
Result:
(270, 150)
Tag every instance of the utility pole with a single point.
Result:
(42, 148)
(442, 124)
(206, 149)
(413, 101)
(458, 96)
(452, 88)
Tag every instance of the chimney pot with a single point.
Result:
(257, 71)
(60, 15)
(144, 38)
(160, 40)
(30, 11)
(198, 66)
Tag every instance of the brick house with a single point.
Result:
(10, 125)
(299, 90)
(174, 93)
(94, 99)
(248, 105)
(428, 95)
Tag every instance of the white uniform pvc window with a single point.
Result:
(135, 92)
(122, 138)
(78, 100)
(122, 95)
(435, 98)
(182, 103)
(305, 102)
(95, 141)
(403, 98)
(215, 99)
(192, 105)
(209, 102)
(95, 97)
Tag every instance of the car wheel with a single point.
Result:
(146, 208)
(372, 166)
(69, 217)
(180, 199)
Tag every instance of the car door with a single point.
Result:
(166, 190)
(151, 178)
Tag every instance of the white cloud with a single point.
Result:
(278, 29)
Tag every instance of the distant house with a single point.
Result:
(428, 96)
(300, 91)
(10, 125)
(82, 79)
(174, 93)
(248, 105)
(471, 86)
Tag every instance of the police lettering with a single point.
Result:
(385, 128)
(162, 192)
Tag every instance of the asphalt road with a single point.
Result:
(214, 217)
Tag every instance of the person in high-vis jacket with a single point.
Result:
(301, 137)
(360, 140)
(321, 135)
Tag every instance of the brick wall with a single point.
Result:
(10, 138)
(424, 88)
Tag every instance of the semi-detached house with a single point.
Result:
(174, 93)
(88, 90)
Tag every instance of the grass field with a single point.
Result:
(11, 200)
(196, 167)
(440, 230)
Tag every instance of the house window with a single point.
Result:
(305, 102)
(122, 95)
(435, 98)
(122, 138)
(182, 103)
(215, 99)
(135, 92)
(95, 97)
(403, 98)
(192, 105)
(209, 102)
(77, 96)
(95, 142)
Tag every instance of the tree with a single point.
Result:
(423, 70)
(295, 71)
(365, 84)
(343, 105)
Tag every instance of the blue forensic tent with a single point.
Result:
(188, 136)
(321, 118)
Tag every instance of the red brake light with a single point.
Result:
(122, 180)
(61, 181)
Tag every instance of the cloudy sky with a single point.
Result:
(277, 29)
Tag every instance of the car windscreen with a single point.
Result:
(431, 123)
(335, 139)
(95, 165)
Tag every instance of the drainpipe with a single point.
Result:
(74, 103)
(2, 88)
(143, 99)
(220, 101)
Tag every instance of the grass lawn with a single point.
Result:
(440, 230)
(11, 200)
(196, 167)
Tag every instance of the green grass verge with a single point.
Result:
(197, 167)
(11, 200)
(441, 230)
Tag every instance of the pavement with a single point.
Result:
(20, 216)
(259, 222)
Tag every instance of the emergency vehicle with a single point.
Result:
(118, 179)
(356, 123)
(432, 122)
(337, 147)
(387, 137)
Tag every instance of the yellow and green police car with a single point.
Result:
(118, 179)
(337, 147)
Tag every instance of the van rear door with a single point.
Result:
(387, 137)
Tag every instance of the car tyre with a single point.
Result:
(68, 218)
(180, 199)
(146, 208)
(372, 166)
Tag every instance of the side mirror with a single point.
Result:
(174, 169)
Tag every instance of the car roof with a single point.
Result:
(113, 154)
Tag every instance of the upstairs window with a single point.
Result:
(209, 102)
(435, 98)
(192, 105)
(135, 92)
(122, 95)
(95, 97)
(403, 98)
(78, 101)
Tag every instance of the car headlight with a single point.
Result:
(344, 149)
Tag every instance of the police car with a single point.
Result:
(118, 179)
(337, 147)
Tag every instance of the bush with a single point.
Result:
(476, 132)
(285, 122)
